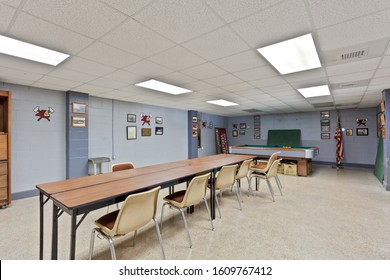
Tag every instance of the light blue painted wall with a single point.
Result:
(208, 134)
(358, 149)
(37, 147)
(108, 138)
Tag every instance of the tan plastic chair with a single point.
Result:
(252, 168)
(243, 172)
(194, 194)
(137, 211)
(122, 166)
(119, 167)
(271, 173)
(225, 179)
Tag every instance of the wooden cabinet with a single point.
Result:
(5, 148)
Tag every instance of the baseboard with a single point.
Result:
(25, 194)
(359, 165)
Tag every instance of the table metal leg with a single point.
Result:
(54, 240)
(212, 194)
(41, 226)
(73, 236)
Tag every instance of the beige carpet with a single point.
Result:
(331, 215)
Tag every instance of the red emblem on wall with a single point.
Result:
(43, 113)
(145, 118)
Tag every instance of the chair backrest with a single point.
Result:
(137, 210)
(273, 170)
(122, 166)
(196, 190)
(226, 176)
(244, 168)
(270, 161)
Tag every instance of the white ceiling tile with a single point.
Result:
(197, 85)
(87, 17)
(86, 66)
(238, 87)
(179, 20)
(351, 77)
(24, 64)
(13, 3)
(126, 6)
(217, 44)
(383, 72)
(169, 58)
(148, 69)
(71, 75)
(273, 81)
(385, 62)
(58, 82)
(126, 77)
(91, 89)
(6, 15)
(176, 78)
(7, 74)
(204, 71)
(231, 10)
(223, 80)
(241, 61)
(355, 32)
(353, 67)
(283, 21)
(108, 83)
(256, 73)
(108, 55)
(137, 39)
(36, 31)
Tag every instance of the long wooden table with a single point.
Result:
(82, 195)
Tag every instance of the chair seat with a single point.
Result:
(176, 196)
(107, 220)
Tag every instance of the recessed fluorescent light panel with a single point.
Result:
(222, 102)
(164, 87)
(31, 52)
(315, 91)
(294, 55)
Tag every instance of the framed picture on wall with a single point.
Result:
(325, 114)
(242, 125)
(79, 108)
(131, 132)
(79, 121)
(159, 120)
(362, 131)
(349, 132)
(234, 133)
(325, 136)
(146, 132)
(131, 118)
(159, 130)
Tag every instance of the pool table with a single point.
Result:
(301, 155)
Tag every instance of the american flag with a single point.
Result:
(339, 143)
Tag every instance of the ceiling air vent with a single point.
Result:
(252, 111)
(354, 55)
(348, 85)
(321, 105)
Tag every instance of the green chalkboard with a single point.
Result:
(284, 137)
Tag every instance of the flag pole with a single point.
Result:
(339, 144)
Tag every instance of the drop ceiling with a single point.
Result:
(207, 46)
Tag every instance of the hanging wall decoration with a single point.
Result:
(361, 122)
(145, 118)
(43, 113)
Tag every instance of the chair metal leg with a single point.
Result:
(112, 247)
(159, 237)
(208, 212)
(278, 184)
(217, 203)
(238, 197)
(162, 215)
(278, 181)
(271, 190)
(186, 226)
(91, 244)
(250, 191)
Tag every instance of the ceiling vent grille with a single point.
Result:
(354, 55)
(252, 111)
(325, 104)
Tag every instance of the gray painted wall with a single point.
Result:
(208, 134)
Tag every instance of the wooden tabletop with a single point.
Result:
(83, 191)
